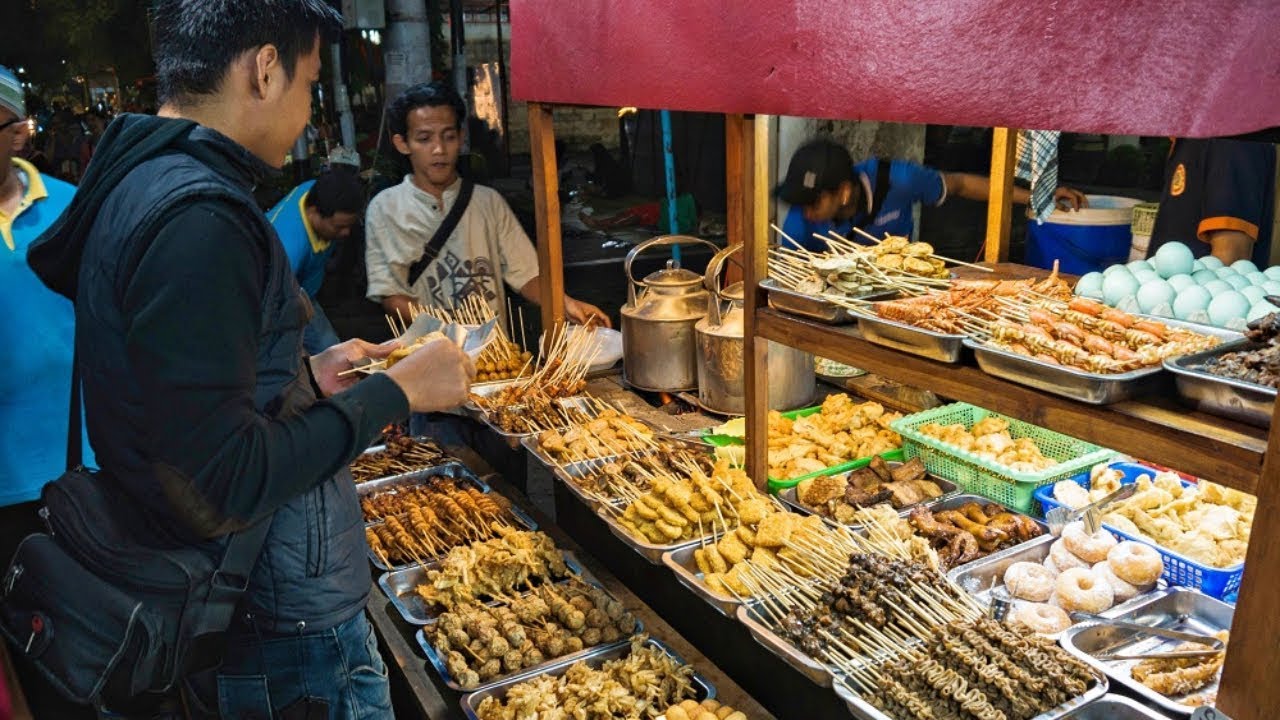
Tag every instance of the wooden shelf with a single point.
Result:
(1155, 428)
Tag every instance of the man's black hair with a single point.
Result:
(197, 40)
(337, 190)
(432, 94)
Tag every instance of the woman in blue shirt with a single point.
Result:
(828, 192)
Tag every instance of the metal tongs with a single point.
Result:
(1215, 646)
(1059, 517)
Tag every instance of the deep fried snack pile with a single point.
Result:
(640, 686)
(675, 508)
(610, 480)
(971, 531)
(481, 643)
(1181, 676)
(402, 454)
(763, 544)
(989, 439)
(608, 433)
(424, 521)
(980, 669)
(839, 496)
(840, 432)
(497, 568)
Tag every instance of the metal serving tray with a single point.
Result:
(910, 339)
(444, 459)
(750, 616)
(398, 586)
(438, 662)
(682, 564)
(814, 307)
(1218, 395)
(483, 390)
(648, 551)
(520, 516)
(790, 498)
(454, 471)
(1179, 609)
(703, 689)
(1092, 388)
(1115, 707)
(864, 710)
(570, 473)
(981, 577)
(531, 444)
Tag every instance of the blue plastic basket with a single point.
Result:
(1178, 570)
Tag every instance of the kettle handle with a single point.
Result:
(654, 242)
(711, 280)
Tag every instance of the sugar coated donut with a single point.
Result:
(1084, 590)
(1136, 563)
(1122, 589)
(1089, 548)
(1071, 494)
(1041, 617)
(1029, 581)
(1063, 558)
(1051, 566)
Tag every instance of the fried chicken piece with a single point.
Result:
(1179, 676)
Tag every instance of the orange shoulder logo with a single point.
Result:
(1179, 182)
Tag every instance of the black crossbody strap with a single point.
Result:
(447, 226)
(881, 191)
(75, 453)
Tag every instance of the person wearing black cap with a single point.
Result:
(827, 191)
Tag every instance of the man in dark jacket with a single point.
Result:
(199, 402)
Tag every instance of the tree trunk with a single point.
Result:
(408, 46)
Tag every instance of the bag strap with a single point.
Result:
(881, 191)
(75, 451)
(447, 226)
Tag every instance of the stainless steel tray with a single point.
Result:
(1178, 609)
(789, 497)
(648, 551)
(513, 439)
(980, 577)
(445, 459)
(682, 564)
(570, 473)
(812, 306)
(437, 662)
(454, 471)
(531, 444)
(864, 710)
(750, 616)
(471, 702)
(1115, 707)
(910, 339)
(398, 586)
(1223, 396)
(1092, 388)
(522, 518)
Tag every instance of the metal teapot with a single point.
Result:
(657, 322)
(721, 366)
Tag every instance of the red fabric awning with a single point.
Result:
(1149, 67)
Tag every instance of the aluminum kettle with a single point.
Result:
(721, 365)
(658, 346)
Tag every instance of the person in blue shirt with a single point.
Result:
(827, 192)
(311, 220)
(1218, 199)
(36, 339)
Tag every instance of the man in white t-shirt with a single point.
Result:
(488, 249)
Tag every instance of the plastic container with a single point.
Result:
(1220, 583)
(776, 484)
(991, 480)
(1144, 221)
(1085, 240)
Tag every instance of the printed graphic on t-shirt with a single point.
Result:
(451, 280)
(1179, 182)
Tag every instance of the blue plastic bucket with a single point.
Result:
(1086, 240)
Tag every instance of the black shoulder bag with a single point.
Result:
(105, 618)
(883, 166)
(447, 226)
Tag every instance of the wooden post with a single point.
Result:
(743, 148)
(1249, 690)
(1000, 205)
(546, 206)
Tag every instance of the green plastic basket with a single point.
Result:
(986, 478)
(776, 484)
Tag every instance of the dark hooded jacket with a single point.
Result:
(198, 399)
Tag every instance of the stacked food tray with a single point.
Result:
(1218, 395)
(815, 307)
(703, 689)
(1178, 610)
(943, 347)
(1178, 569)
(984, 477)
(863, 710)
(371, 466)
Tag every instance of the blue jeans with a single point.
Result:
(263, 675)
